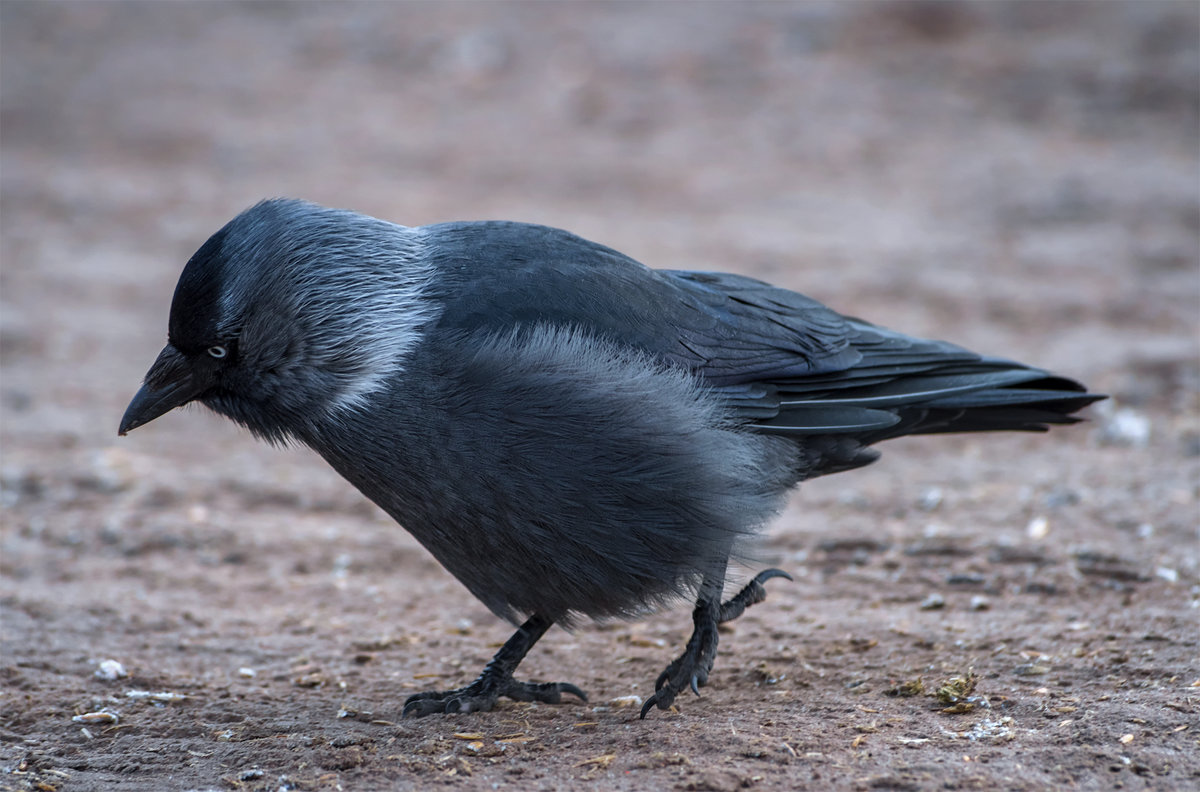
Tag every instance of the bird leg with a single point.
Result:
(691, 668)
(496, 680)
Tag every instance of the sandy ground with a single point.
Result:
(1021, 179)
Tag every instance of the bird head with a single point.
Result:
(289, 314)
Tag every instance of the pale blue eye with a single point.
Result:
(218, 351)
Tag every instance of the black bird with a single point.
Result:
(569, 432)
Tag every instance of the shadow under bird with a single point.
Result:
(569, 432)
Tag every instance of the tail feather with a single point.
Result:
(983, 395)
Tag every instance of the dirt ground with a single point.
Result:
(1019, 178)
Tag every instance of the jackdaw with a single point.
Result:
(569, 432)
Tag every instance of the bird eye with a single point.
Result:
(218, 351)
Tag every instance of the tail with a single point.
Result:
(906, 386)
(992, 396)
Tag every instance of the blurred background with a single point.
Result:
(1022, 178)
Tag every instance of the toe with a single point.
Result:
(420, 707)
(663, 699)
(544, 692)
(567, 687)
(767, 574)
(649, 705)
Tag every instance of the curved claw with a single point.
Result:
(654, 700)
(767, 574)
(649, 705)
(567, 687)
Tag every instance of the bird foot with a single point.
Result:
(482, 694)
(691, 668)
(496, 681)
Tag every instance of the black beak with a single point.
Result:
(170, 383)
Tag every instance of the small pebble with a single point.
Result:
(934, 601)
(111, 670)
(1031, 669)
(1167, 574)
(980, 603)
(1038, 528)
(1126, 426)
(930, 499)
